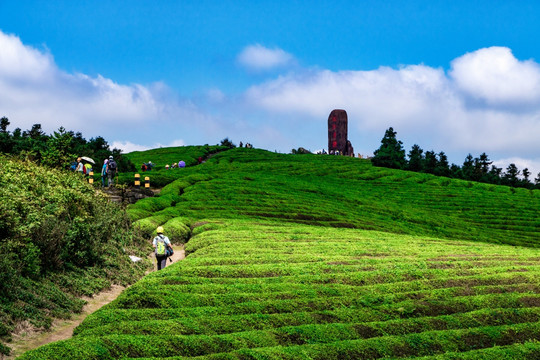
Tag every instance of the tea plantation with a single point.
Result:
(322, 257)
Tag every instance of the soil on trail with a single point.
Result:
(27, 338)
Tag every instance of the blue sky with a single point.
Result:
(455, 76)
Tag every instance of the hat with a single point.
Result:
(110, 157)
(159, 230)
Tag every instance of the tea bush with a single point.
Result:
(327, 257)
(261, 289)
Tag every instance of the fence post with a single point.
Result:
(147, 182)
(137, 181)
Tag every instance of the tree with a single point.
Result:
(99, 150)
(78, 144)
(494, 175)
(456, 172)
(300, 150)
(430, 162)
(4, 123)
(526, 182)
(57, 152)
(526, 173)
(416, 158)
(35, 132)
(510, 177)
(468, 168)
(228, 143)
(391, 153)
(6, 142)
(33, 143)
(484, 163)
(442, 168)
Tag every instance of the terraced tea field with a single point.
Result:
(255, 290)
(322, 257)
(344, 192)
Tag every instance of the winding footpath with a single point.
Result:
(25, 339)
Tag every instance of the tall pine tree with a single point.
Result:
(391, 153)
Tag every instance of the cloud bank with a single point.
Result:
(488, 101)
(34, 90)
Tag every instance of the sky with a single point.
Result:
(455, 76)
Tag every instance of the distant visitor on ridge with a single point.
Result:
(337, 134)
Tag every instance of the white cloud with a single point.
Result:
(393, 95)
(258, 57)
(34, 90)
(128, 146)
(424, 104)
(19, 62)
(489, 102)
(495, 76)
(533, 165)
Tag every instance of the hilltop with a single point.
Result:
(343, 192)
(325, 257)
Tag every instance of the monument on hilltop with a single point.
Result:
(337, 134)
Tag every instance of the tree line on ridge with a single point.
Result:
(59, 149)
(481, 169)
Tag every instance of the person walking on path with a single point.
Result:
(160, 244)
(104, 173)
(111, 170)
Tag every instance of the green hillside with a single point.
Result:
(322, 257)
(166, 156)
(345, 192)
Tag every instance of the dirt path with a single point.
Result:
(26, 338)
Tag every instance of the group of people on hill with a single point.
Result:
(147, 166)
(180, 164)
(108, 170)
(248, 145)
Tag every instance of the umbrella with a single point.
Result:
(181, 164)
(86, 158)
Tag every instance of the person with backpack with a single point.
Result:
(111, 170)
(104, 173)
(87, 169)
(162, 246)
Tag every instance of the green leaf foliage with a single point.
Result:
(57, 234)
(260, 289)
(325, 257)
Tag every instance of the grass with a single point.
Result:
(322, 257)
